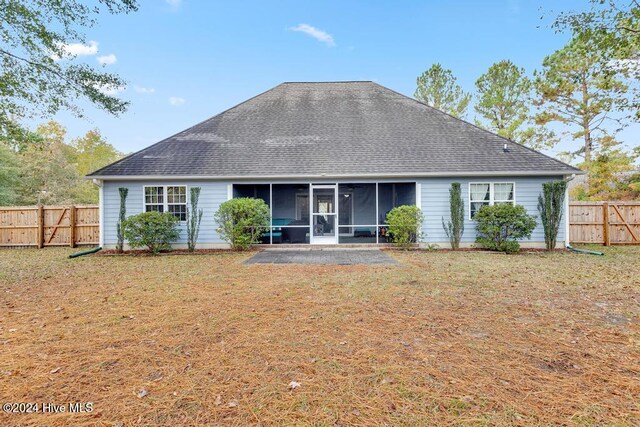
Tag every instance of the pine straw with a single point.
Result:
(441, 339)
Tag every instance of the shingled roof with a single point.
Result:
(336, 129)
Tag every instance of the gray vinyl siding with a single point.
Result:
(433, 199)
(435, 204)
(211, 196)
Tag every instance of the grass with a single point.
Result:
(441, 339)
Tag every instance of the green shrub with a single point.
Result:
(194, 217)
(499, 226)
(242, 221)
(154, 230)
(405, 225)
(551, 207)
(121, 218)
(455, 226)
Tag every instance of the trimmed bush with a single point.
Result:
(499, 227)
(405, 225)
(551, 207)
(153, 230)
(455, 226)
(194, 217)
(121, 218)
(242, 221)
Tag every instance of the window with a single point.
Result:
(154, 199)
(171, 199)
(489, 193)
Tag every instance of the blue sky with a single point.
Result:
(187, 60)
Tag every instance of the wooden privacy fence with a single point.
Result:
(42, 226)
(608, 223)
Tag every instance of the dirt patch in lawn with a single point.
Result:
(440, 339)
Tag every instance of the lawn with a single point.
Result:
(441, 339)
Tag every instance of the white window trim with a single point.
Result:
(491, 193)
(165, 199)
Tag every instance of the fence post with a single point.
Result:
(40, 242)
(605, 223)
(72, 226)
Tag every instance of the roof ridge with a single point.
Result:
(478, 127)
(326, 82)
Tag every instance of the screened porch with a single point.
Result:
(339, 213)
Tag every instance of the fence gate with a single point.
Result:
(608, 223)
(49, 226)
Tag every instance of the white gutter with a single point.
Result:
(326, 176)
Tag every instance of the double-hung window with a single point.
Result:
(489, 193)
(171, 198)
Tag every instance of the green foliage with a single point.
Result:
(121, 218)
(48, 173)
(405, 225)
(9, 175)
(577, 90)
(242, 221)
(612, 27)
(551, 208)
(454, 228)
(194, 217)
(503, 94)
(499, 226)
(438, 88)
(153, 230)
(609, 177)
(91, 152)
(51, 171)
(39, 75)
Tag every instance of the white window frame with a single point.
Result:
(165, 199)
(492, 200)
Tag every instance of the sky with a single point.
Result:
(188, 60)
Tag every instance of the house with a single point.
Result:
(330, 159)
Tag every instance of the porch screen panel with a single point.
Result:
(357, 213)
(290, 222)
(394, 194)
(254, 191)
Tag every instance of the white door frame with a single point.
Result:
(324, 240)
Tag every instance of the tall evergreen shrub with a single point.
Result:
(551, 208)
(194, 217)
(122, 216)
(455, 226)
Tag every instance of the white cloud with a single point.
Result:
(111, 90)
(176, 101)
(142, 89)
(316, 33)
(107, 59)
(174, 3)
(77, 49)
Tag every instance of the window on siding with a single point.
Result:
(171, 199)
(154, 199)
(490, 193)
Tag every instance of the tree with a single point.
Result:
(575, 89)
(48, 172)
(39, 75)
(454, 228)
(503, 95)
(437, 88)
(613, 28)
(9, 175)
(91, 153)
(608, 177)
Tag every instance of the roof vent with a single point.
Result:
(505, 148)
